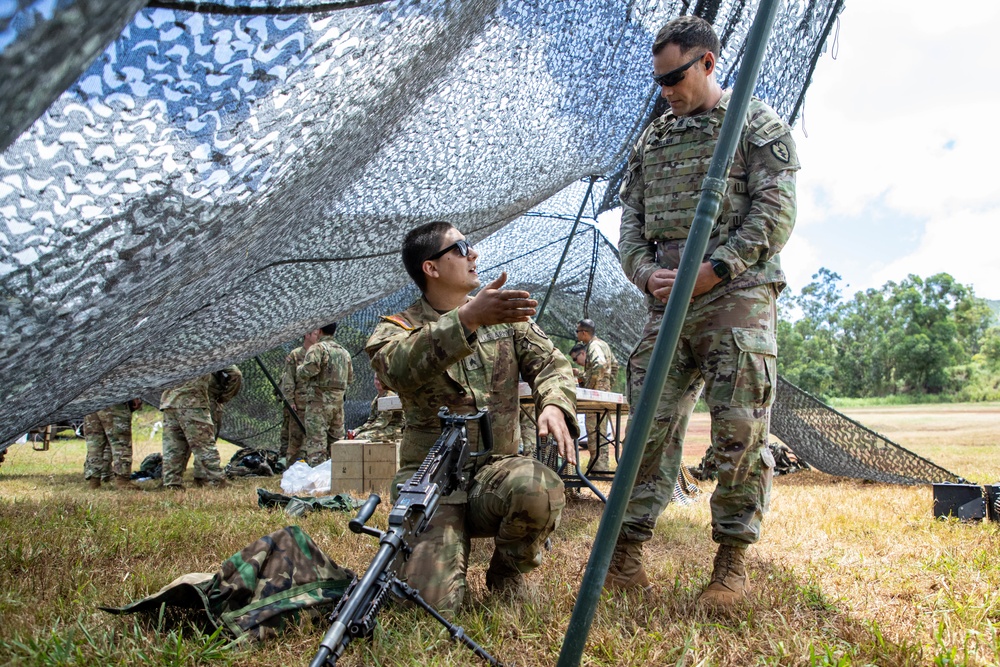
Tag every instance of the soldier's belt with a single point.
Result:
(669, 252)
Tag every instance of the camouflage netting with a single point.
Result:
(590, 281)
(836, 444)
(225, 176)
(191, 184)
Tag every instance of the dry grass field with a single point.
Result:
(848, 573)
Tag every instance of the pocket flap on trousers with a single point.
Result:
(756, 340)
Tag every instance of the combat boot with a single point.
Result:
(504, 579)
(729, 579)
(626, 571)
(199, 482)
(124, 482)
(94, 483)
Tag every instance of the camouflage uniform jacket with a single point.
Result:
(428, 359)
(663, 181)
(602, 366)
(225, 384)
(290, 385)
(326, 367)
(191, 394)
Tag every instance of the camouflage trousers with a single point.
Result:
(517, 501)
(189, 432)
(291, 436)
(324, 420)
(109, 443)
(728, 346)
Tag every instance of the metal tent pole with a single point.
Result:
(555, 276)
(713, 188)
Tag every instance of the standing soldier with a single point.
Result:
(291, 433)
(188, 430)
(325, 373)
(727, 339)
(600, 372)
(109, 445)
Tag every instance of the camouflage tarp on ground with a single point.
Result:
(258, 591)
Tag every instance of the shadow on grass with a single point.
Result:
(53, 479)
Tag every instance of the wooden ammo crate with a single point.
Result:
(362, 466)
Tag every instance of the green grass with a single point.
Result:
(847, 573)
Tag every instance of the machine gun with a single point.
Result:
(442, 472)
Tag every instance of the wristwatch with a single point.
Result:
(720, 268)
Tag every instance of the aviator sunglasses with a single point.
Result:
(462, 246)
(675, 76)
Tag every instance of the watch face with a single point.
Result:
(720, 268)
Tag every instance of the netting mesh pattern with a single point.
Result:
(217, 182)
(529, 251)
(836, 444)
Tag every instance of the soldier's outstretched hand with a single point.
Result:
(552, 422)
(497, 306)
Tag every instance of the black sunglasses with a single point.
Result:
(462, 246)
(675, 76)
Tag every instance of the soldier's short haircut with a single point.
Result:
(587, 325)
(329, 329)
(577, 349)
(419, 244)
(687, 32)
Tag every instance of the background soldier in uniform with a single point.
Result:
(600, 370)
(108, 434)
(291, 434)
(324, 374)
(188, 430)
(728, 338)
(467, 354)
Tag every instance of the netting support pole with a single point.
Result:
(284, 399)
(572, 233)
(713, 188)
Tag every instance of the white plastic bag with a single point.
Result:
(301, 479)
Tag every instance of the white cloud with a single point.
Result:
(899, 171)
(903, 118)
(964, 244)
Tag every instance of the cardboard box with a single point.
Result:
(361, 466)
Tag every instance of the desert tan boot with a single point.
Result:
(94, 483)
(124, 482)
(626, 571)
(729, 580)
(504, 579)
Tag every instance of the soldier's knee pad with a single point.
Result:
(537, 494)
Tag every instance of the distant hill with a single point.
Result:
(994, 305)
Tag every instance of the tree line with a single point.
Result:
(921, 336)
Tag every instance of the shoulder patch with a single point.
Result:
(398, 321)
(779, 154)
(780, 150)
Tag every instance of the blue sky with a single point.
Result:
(899, 143)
